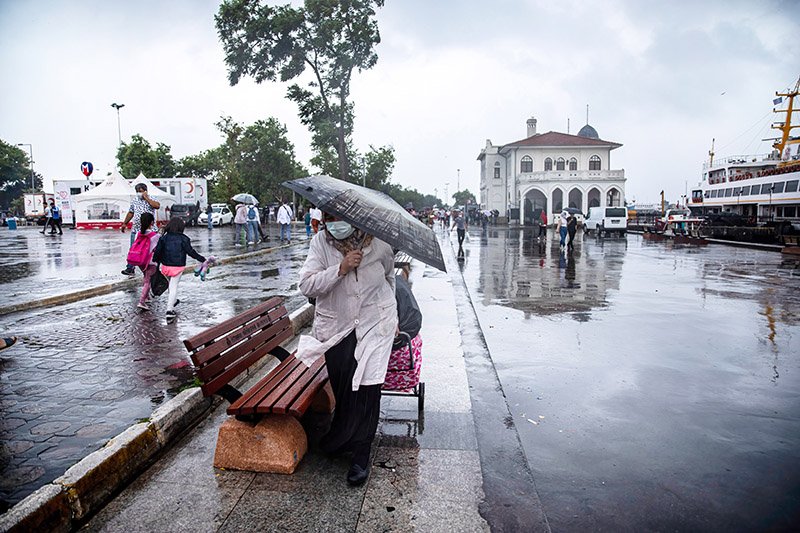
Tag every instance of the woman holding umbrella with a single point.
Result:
(351, 275)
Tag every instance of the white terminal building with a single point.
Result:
(549, 171)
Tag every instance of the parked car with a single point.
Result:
(220, 214)
(606, 220)
(187, 212)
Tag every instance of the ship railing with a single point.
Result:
(740, 159)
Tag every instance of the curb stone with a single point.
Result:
(88, 485)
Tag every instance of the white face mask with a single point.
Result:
(339, 229)
(139, 194)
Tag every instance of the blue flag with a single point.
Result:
(777, 101)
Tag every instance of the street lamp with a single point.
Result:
(458, 182)
(119, 130)
(30, 148)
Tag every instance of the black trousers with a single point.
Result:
(355, 419)
(461, 233)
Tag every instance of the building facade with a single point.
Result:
(549, 171)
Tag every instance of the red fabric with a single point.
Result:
(398, 376)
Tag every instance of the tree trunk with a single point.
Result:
(343, 170)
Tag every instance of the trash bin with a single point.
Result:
(12, 223)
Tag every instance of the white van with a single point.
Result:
(605, 220)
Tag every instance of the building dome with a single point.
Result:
(588, 132)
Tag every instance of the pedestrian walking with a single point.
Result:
(55, 218)
(307, 220)
(170, 253)
(285, 216)
(141, 255)
(460, 223)
(47, 215)
(142, 203)
(572, 228)
(351, 276)
(239, 224)
(210, 220)
(543, 224)
(561, 226)
(253, 223)
(316, 218)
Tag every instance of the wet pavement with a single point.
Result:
(654, 386)
(85, 371)
(35, 266)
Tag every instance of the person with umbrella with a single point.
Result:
(350, 273)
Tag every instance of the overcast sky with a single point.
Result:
(661, 78)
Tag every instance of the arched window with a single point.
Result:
(560, 163)
(497, 169)
(575, 198)
(558, 201)
(594, 198)
(613, 198)
(548, 164)
(573, 164)
(594, 162)
(526, 164)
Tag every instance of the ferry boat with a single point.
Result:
(765, 188)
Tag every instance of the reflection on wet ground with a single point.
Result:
(654, 386)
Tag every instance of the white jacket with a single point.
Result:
(362, 301)
(285, 214)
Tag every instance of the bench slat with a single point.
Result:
(298, 388)
(241, 365)
(298, 375)
(205, 354)
(303, 400)
(268, 337)
(193, 343)
(247, 403)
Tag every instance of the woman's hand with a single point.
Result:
(350, 261)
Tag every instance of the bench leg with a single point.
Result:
(275, 444)
(324, 401)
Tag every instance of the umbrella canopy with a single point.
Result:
(373, 212)
(245, 198)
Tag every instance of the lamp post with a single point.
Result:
(458, 181)
(119, 130)
(30, 149)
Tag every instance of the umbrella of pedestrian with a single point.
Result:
(245, 198)
(373, 212)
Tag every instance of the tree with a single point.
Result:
(463, 197)
(15, 173)
(254, 159)
(139, 156)
(331, 38)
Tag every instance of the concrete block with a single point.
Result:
(324, 402)
(94, 479)
(275, 444)
(301, 318)
(47, 509)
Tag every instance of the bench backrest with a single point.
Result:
(224, 351)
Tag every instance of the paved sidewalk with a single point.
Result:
(426, 473)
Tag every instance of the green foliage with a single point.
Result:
(463, 197)
(15, 173)
(329, 38)
(254, 159)
(139, 156)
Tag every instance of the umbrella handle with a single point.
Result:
(360, 246)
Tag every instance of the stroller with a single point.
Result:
(405, 362)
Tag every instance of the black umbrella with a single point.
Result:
(373, 212)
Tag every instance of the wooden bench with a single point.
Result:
(264, 434)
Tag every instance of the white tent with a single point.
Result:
(166, 199)
(104, 206)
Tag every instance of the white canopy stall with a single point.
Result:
(105, 206)
(166, 199)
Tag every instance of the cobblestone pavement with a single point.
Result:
(85, 371)
(34, 266)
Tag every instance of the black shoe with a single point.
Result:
(176, 303)
(129, 272)
(357, 475)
